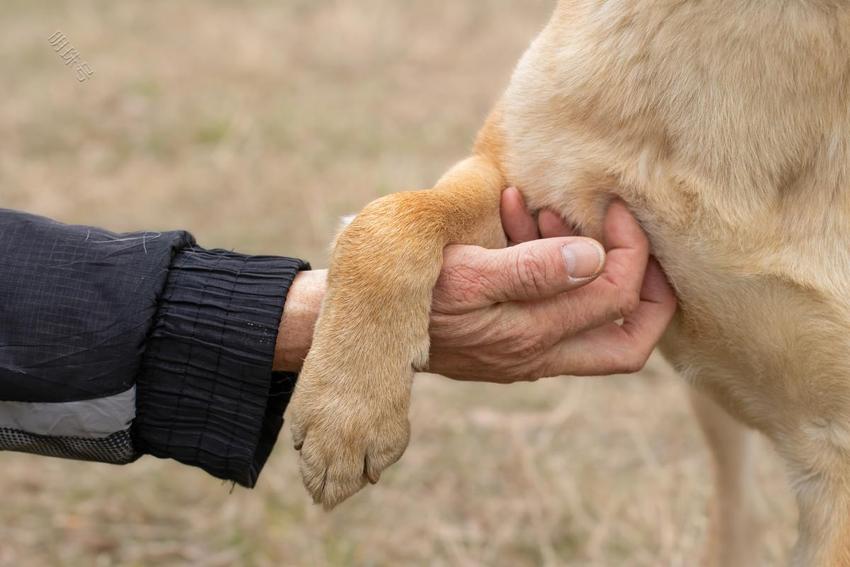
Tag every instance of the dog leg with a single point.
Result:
(824, 525)
(735, 526)
(349, 411)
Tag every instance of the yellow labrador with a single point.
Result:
(725, 127)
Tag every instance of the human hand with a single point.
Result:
(535, 310)
(515, 314)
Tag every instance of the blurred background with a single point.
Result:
(256, 125)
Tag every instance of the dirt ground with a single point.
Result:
(256, 125)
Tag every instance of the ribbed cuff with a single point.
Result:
(206, 395)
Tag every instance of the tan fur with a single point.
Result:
(725, 126)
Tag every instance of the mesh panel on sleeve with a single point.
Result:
(115, 449)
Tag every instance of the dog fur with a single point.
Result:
(725, 127)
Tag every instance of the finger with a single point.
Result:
(658, 304)
(473, 278)
(611, 297)
(620, 349)
(571, 313)
(552, 225)
(517, 222)
(628, 254)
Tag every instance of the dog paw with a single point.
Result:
(346, 433)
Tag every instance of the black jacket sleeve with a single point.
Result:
(114, 346)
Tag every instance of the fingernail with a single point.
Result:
(584, 259)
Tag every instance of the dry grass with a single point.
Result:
(256, 125)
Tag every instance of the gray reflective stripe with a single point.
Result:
(90, 419)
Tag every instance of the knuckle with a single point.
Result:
(536, 372)
(634, 361)
(629, 302)
(532, 273)
(543, 367)
(528, 375)
(629, 367)
(550, 333)
(529, 345)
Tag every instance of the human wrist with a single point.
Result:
(300, 312)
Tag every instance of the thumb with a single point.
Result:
(473, 277)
